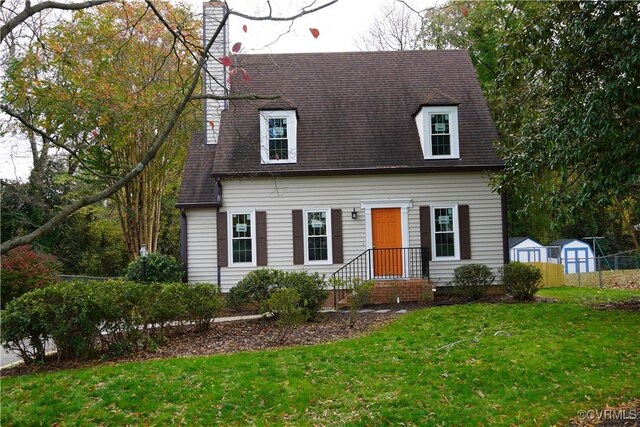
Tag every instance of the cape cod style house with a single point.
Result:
(372, 163)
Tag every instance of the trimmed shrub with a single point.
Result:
(118, 316)
(24, 270)
(258, 285)
(157, 268)
(310, 287)
(472, 280)
(255, 288)
(284, 305)
(203, 304)
(521, 281)
(123, 308)
(25, 327)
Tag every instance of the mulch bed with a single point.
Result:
(632, 304)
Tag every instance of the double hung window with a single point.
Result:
(278, 140)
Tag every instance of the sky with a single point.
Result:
(341, 25)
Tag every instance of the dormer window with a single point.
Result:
(438, 130)
(278, 131)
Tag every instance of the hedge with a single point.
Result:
(115, 317)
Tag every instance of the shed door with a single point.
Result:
(576, 260)
(387, 241)
(528, 255)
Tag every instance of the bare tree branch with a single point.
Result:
(29, 11)
(45, 136)
(270, 16)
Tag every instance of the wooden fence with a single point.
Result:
(552, 274)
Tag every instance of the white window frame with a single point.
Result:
(329, 259)
(456, 232)
(424, 130)
(292, 133)
(252, 217)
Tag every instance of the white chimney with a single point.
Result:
(215, 75)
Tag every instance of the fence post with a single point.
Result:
(599, 273)
(579, 268)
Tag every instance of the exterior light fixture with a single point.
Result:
(143, 255)
(354, 214)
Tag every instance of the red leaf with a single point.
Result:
(212, 124)
(226, 61)
(465, 11)
(236, 47)
(314, 32)
(244, 28)
(245, 75)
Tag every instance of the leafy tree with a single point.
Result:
(80, 142)
(72, 92)
(568, 92)
(561, 79)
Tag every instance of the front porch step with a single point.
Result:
(394, 291)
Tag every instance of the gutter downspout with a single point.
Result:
(184, 250)
(218, 268)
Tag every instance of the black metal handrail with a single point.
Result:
(383, 264)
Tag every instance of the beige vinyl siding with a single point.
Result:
(279, 196)
(201, 244)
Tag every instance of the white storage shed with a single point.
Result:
(525, 249)
(576, 256)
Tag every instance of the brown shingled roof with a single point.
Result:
(198, 187)
(355, 112)
(436, 97)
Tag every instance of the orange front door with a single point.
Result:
(387, 241)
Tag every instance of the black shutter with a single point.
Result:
(336, 236)
(465, 232)
(298, 236)
(223, 252)
(425, 229)
(261, 238)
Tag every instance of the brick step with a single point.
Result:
(390, 291)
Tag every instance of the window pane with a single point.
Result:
(241, 225)
(318, 249)
(278, 140)
(439, 124)
(440, 145)
(445, 245)
(317, 223)
(444, 219)
(242, 250)
(278, 128)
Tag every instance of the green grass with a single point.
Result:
(588, 295)
(558, 359)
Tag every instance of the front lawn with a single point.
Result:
(531, 364)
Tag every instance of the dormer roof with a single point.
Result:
(435, 97)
